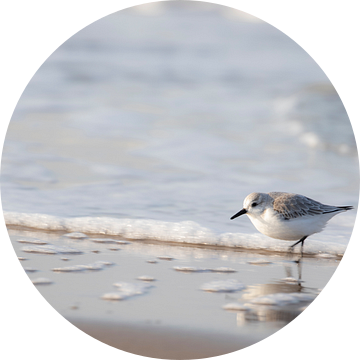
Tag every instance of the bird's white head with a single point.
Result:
(254, 205)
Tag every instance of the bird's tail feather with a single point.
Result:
(338, 209)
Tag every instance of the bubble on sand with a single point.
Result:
(167, 258)
(146, 278)
(259, 262)
(114, 296)
(30, 270)
(230, 285)
(32, 241)
(190, 269)
(42, 281)
(236, 307)
(22, 258)
(51, 250)
(74, 268)
(76, 235)
(132, 287)
(98, 265)
(223, 270)
(152, 261)
(111, 241)
(126, 290)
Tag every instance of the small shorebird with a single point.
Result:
(287, 216)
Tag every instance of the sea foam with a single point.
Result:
(186, 232)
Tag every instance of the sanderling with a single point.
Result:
(288, 216)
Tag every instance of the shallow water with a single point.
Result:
(271, 290)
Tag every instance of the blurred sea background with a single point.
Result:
(173, 112)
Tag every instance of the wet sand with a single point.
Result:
(164, 343)
(180, 314)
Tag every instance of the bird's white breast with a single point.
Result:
(271, 224)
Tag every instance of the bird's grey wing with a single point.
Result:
(291, 206)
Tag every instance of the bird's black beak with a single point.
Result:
(241, 212)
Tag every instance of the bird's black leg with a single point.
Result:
(302, 245)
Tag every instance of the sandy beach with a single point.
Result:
(169, 301)
(164, 343)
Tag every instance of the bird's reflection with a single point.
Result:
(279, 301)
(289, 268)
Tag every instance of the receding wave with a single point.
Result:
(185, 232)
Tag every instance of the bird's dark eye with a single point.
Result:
(254, 204)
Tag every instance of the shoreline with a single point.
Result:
(282, 250)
